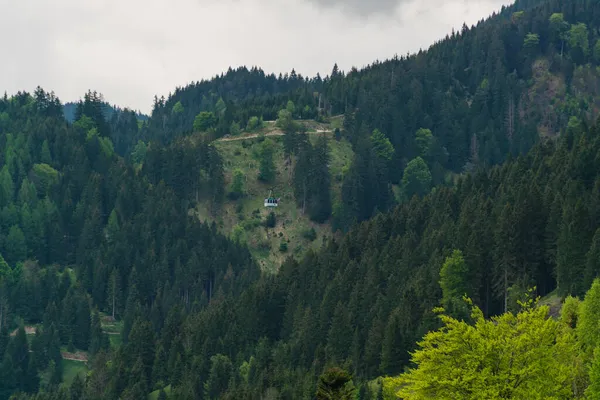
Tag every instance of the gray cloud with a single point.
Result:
(363, 8)
(131, 50)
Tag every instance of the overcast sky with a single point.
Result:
(130, 50)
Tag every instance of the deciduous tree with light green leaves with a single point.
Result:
(382, 145)
(513, 356)
(204, 121)
(423, 140)
(417, 178)
(454, 283)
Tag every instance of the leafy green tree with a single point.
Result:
(417, 178)
(454, 281)
(285, 121)
(44, 177)
(178, 108)
(204, 121)
(527, 355)
(382, 145)
(138, 155)
(559, 28)
(253, 124)
(335, 383)
(593, 390)
(579, 42)
(587, 321)
(569, 311)
(532, 42)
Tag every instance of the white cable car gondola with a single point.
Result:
(271, 201)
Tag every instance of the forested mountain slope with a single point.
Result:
(362, 302)
(98, 224)
(482, 93)
(67, 200)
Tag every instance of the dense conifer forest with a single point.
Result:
(473, 191)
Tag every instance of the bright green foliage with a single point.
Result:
(253, 124)
(532, 41)
(579, 39)
(177, 108)
(454, 281)
(204, 121)
(588, 324)
(92, 133)
(417, 178)
(570, 311)
(107, 147)
(335, 383)
(382, 145)
(84, 124)
(593, 390)
(138, 155)
(43, 177)
(285, 121)
(558, 23)
(523, 356)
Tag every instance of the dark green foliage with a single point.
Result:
(271, 220)
(335, 383)
(197, 314)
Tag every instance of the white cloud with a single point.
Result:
(131, 50)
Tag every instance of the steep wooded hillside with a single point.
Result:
(481, 94)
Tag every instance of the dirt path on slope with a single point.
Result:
(272, 133)
(79, 356)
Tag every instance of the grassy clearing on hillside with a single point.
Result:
(242, 218)
(71, 369)
(154, 395)
(112, 329)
